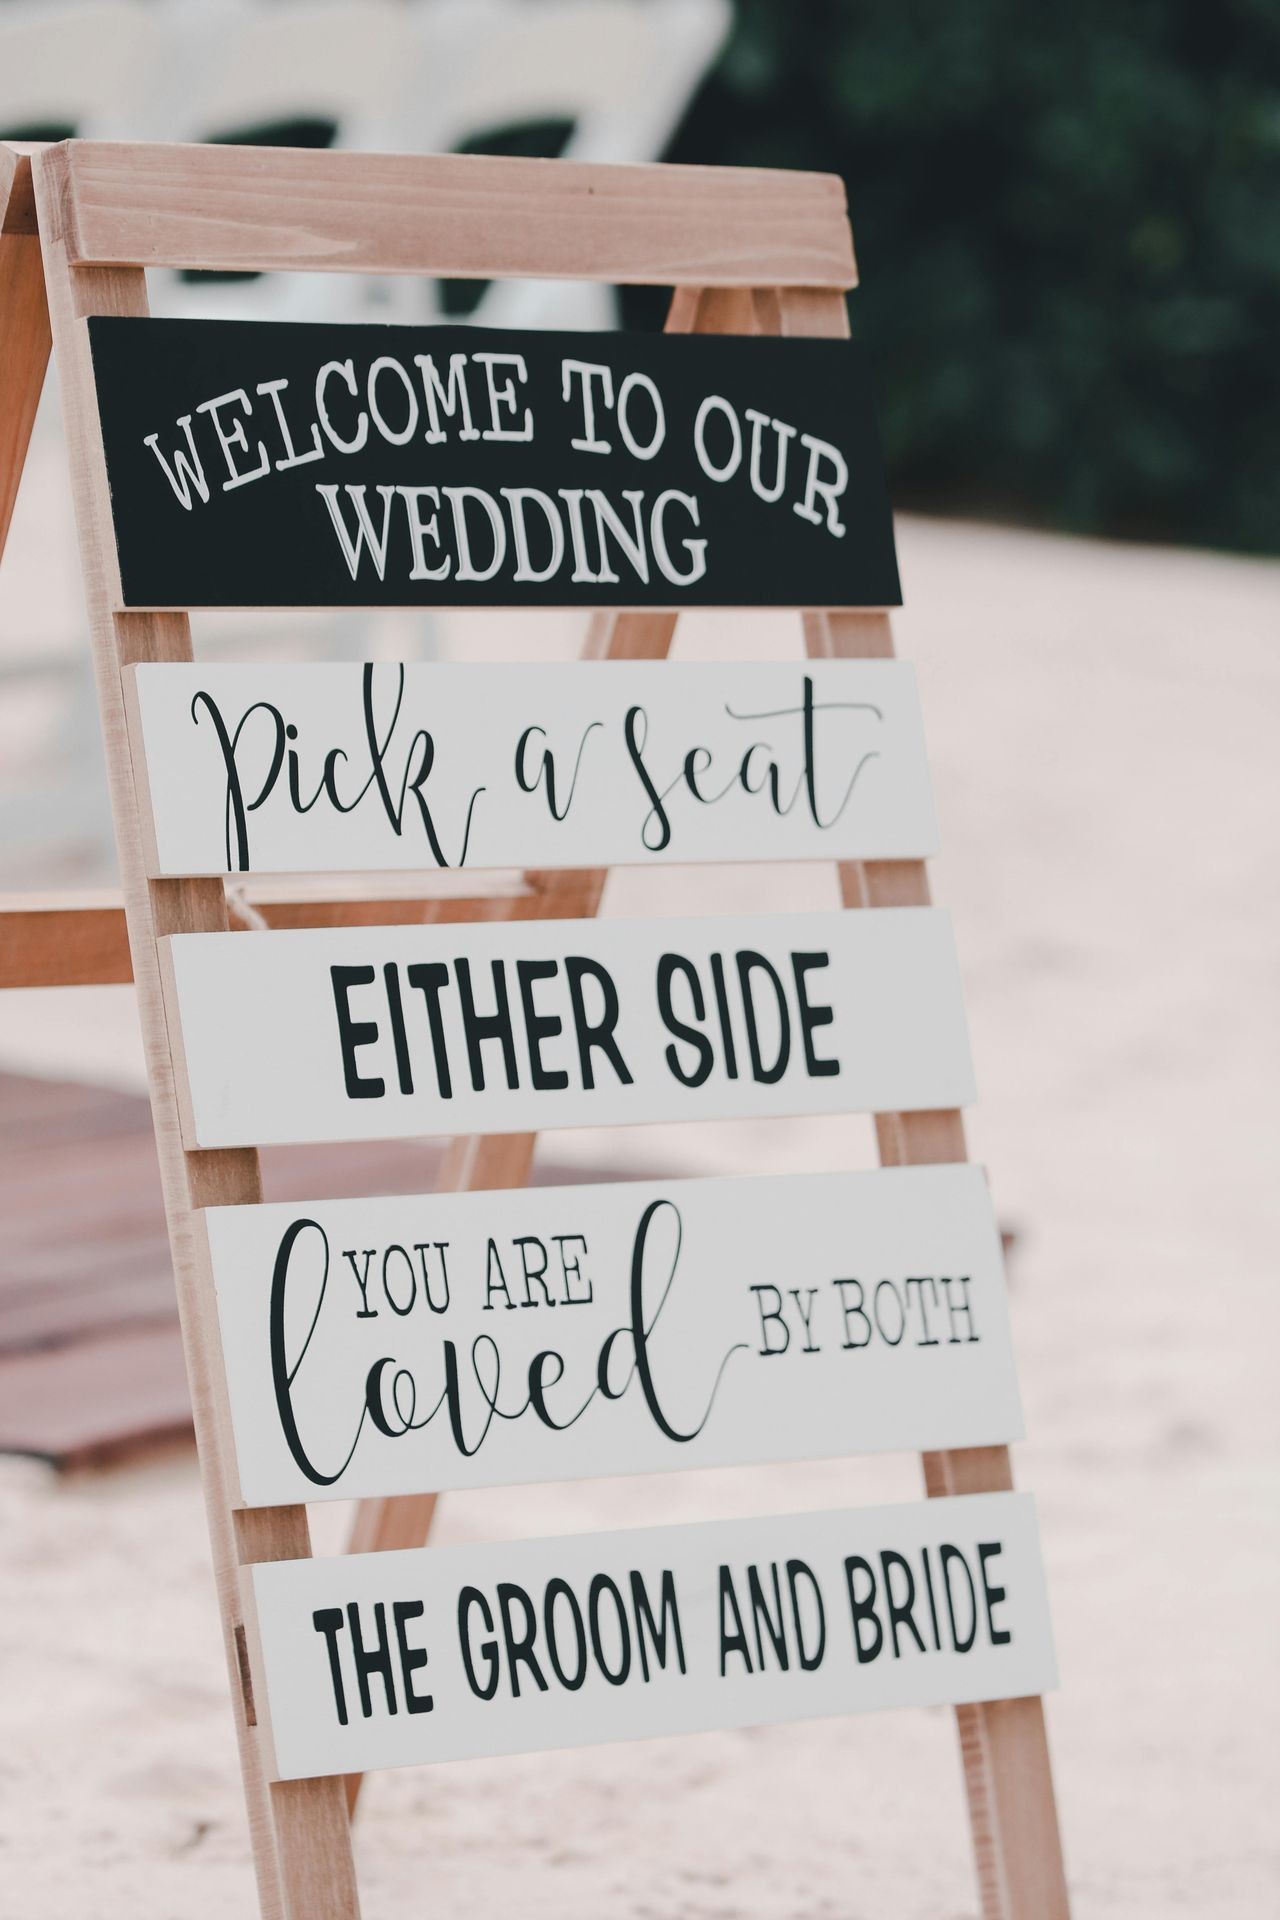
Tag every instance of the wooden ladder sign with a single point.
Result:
(387, 1349)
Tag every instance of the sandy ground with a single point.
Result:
(1102, 724)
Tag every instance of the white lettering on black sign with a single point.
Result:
(278, 464)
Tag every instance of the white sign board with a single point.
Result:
(442, 1653)
(379, 1032)
(459, 1340)
(295, 769)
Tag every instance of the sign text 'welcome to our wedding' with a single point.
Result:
(317, 465)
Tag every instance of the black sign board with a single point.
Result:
(273, 465)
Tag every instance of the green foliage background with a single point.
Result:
(1067, 220)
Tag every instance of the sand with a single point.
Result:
(1101, 722)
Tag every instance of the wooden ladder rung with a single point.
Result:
(80, 939)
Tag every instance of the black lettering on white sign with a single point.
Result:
(379, 1033)
(347, 767)
(394, 1659)
(377, 1347)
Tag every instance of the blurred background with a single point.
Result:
(1067, 221)
(1068, 217)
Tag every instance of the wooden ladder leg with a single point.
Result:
(1004, 1746)
(300, 1832)
(24, 326)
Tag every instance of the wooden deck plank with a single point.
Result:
(91, 1367)
(95, 1403)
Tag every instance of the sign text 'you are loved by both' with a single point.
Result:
(457, 1340)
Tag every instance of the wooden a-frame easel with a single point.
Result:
(745, 252)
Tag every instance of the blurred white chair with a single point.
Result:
(620, 72)
(428, 76)
(241, 63)
(230, 69)
(84, 67)
(413, 76)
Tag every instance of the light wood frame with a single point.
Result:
(745, 252)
